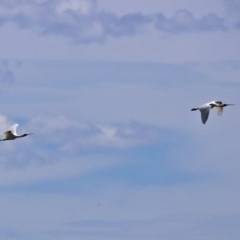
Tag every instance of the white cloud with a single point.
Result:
(56, 146)
(72, 135)
(184, 21)
(81, 6)
(82, 22)
(39, 157)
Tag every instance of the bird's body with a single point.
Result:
(205, 109)
(11, 133)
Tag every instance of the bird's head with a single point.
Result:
(26, 134)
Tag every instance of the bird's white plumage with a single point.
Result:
(13, 129)
(11, 133)
(205, 109)
(219, 111)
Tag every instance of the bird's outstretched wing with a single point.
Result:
(11, 133)
(13, 129)
(204, 115)
(8, 135)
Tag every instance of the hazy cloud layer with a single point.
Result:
(57, 140)
(81, 21)
(63, 147)
(184, 21)
(72, 135)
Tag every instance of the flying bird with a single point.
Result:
(205, 109)
(11, 134)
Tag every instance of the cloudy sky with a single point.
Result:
(106, 86)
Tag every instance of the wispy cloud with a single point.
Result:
(71, 135)
(82, 22)
(47, 153)
(184, 21)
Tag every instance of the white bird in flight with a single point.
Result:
(205, 109)
(11, 133)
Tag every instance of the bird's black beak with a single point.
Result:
(228, 104)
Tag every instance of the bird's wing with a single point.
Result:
(204, 114)
(219, 111)
(13, 129)
(8, 135)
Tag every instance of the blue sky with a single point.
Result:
(107, 87)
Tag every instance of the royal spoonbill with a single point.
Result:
(11, 133)
(205, 109)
